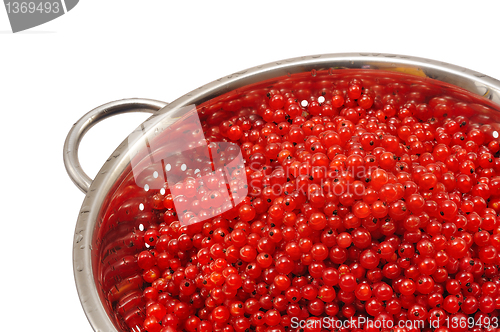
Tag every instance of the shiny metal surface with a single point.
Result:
(85, 241)
(75, 135)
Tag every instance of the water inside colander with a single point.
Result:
(190, 187)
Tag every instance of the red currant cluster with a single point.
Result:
(364, 200)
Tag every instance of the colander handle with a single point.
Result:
(80, 128)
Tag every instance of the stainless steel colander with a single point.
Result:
(109, 225)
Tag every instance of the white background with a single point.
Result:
(101, 51)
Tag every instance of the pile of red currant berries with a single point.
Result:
(364, 200)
